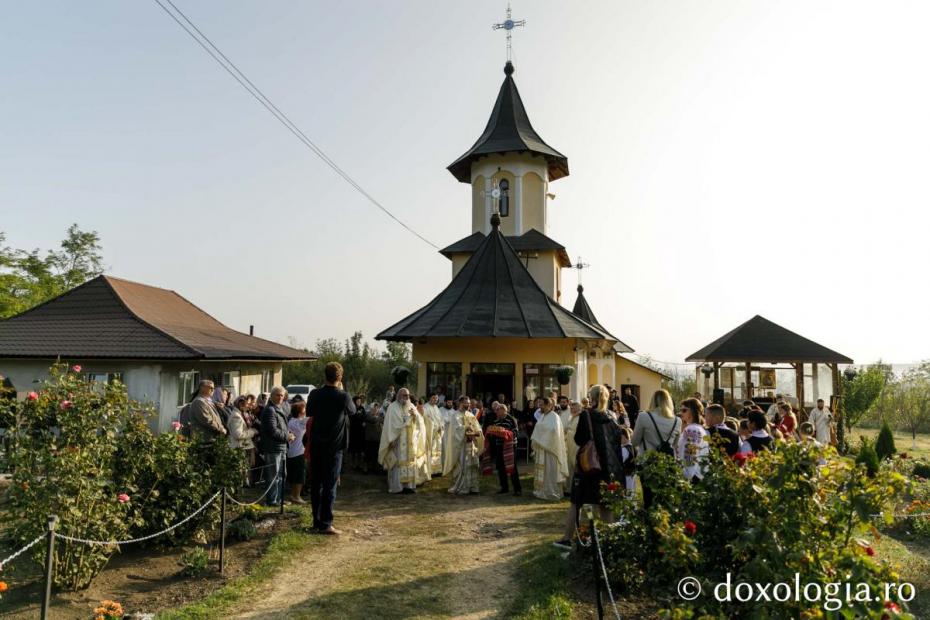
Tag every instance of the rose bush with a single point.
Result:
(84, 452)
(801, 510)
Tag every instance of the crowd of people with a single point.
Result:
(574, 446)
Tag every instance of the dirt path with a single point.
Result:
(429, 555)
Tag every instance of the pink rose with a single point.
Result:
(76, 368)
(32, 396)
(176, 425)
(123, 498)
(65, 404)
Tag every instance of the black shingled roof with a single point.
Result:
(493, 296)
(509, 129)
(760, 340)
(530, 241)
(583, 310)
(111, 318)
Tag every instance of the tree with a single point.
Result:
(884, 445)
(27, 278)
(860, 394)
(910, 398)
(367, 371)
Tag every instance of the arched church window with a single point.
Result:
(504, 206)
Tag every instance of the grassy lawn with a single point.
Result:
(902, 441)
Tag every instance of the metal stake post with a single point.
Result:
(597, 571)
(223, 532)
(49, 566)
(281, 475)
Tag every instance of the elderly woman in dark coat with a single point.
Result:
(596, 424)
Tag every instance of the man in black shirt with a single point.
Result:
(329, 407)
(719, 433)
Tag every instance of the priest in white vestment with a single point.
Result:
(435, 427)
(402, 451)
(465, 444)
(446, 412)
(549, 454)
(569, 426)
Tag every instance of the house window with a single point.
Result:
(231, 381)
(504, 201)
(187, 384)
(444, 378)
(102, 379)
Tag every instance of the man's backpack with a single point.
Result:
(664, 446)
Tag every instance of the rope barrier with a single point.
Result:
(87, 541)
(256, 501)
(9, 559)
(600, 556)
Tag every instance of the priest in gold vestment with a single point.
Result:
(403, 445)
(465, 444)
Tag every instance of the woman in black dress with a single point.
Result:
(597, 424)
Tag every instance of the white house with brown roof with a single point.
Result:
(155, 341)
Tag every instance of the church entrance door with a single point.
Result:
(487, 381)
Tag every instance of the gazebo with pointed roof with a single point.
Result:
(760, 341)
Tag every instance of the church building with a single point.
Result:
(499, 327)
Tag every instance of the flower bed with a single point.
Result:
(799, 511)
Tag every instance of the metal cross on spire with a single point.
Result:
(509, 24)
(580, 266)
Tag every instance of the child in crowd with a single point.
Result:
(628, 458)
(759, 439)
(744, 433)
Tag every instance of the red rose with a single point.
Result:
(32, 396)
(892, 606)
(869, 551)
(690, 528)
(904, 455)
(65, 404)
(76, 368)
(612, 486)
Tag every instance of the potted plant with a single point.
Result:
(563, 374)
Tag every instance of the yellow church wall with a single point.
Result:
(478, 205)
(592, 374)
(545, 270)
(629, 373)
(517, 351)
(458, 261)
(534, 203)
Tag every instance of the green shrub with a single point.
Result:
(801, 510)
(252, 512)
(84, 452)
(194, 562)
(173, 477)
(884, 444)
(868, 456)
(63, 456)
(921, 469)
(242, 529)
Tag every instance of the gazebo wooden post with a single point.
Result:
(799, 388)
(749, 395)
(839, 410)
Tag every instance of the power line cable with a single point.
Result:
(230, 67)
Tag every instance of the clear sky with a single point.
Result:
(728, 158)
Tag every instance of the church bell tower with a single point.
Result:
(510, 167)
